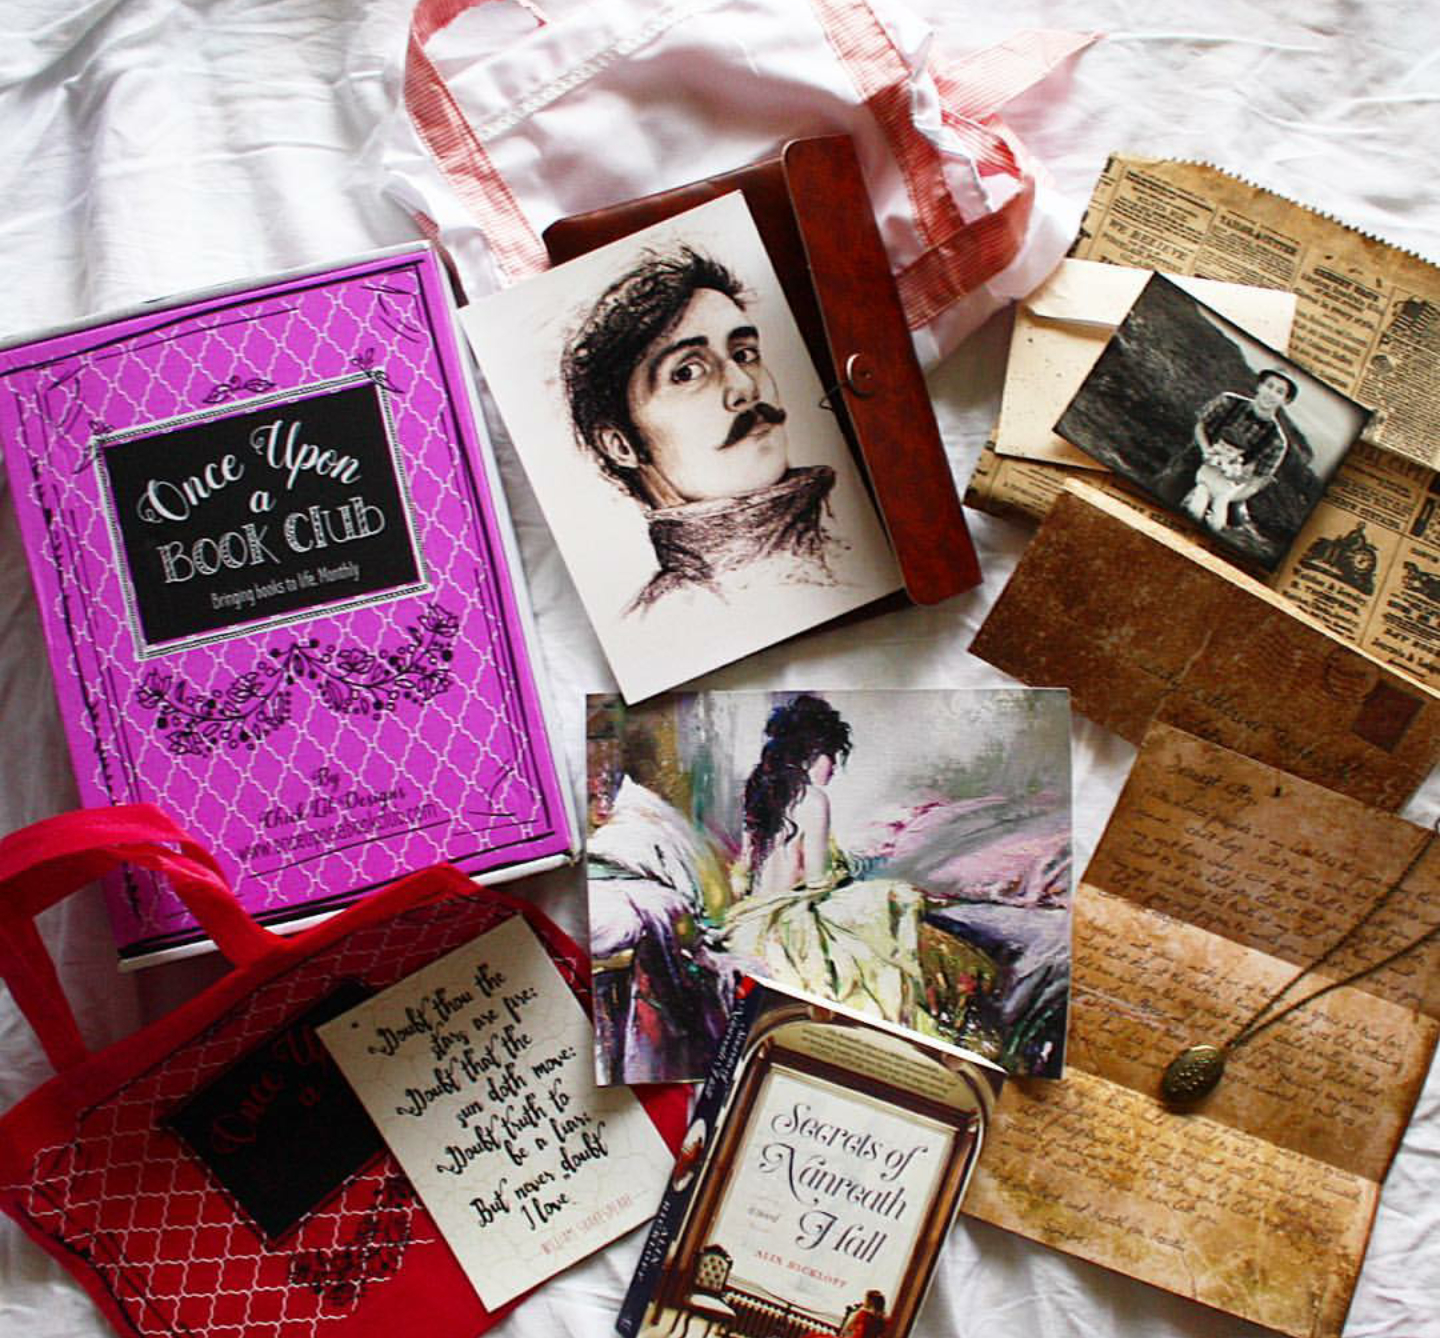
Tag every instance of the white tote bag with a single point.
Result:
(513, 117)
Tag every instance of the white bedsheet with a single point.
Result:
(152, 146)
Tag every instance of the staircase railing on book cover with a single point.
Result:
(757, 1316)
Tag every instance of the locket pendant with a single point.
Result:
(1193, 1074)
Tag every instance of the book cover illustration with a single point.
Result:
(661, 398)
(822, 1169)
(904, 853)
(278, 589)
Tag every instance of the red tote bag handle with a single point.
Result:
(45, 862)
(960, 254)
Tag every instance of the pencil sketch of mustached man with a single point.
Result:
(669, 391)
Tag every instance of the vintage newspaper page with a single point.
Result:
(1367, 563)
(1368, 322)
(1217, 880)
(1141, 624)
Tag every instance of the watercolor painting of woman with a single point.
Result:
(905, 853)
(801, 914)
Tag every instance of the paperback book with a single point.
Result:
(823, 1166)
(279, 589)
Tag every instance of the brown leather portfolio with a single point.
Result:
(813, 213)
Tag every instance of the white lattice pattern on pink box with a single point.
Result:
(457, 765)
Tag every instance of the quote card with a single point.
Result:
(477, 1070)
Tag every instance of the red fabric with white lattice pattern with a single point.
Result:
(88, 1170)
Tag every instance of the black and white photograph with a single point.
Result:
(681, 447)
(1213, 423)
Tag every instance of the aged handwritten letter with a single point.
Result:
(1141, 624)
(1217, 880)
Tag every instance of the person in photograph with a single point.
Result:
(869, 1320)
(669, 392)
(866, 1320)
(1242, 444)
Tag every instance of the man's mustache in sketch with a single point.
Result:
(747, 420)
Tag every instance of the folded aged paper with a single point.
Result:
(1368, 559)
(1141, 624)
(1219, 878)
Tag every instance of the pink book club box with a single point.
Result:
(280, 591)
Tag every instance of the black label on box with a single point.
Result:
(281, 1129)
(227, 521)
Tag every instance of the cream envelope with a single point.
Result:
(1061, 329)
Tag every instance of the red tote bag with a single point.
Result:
(92, 1165)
